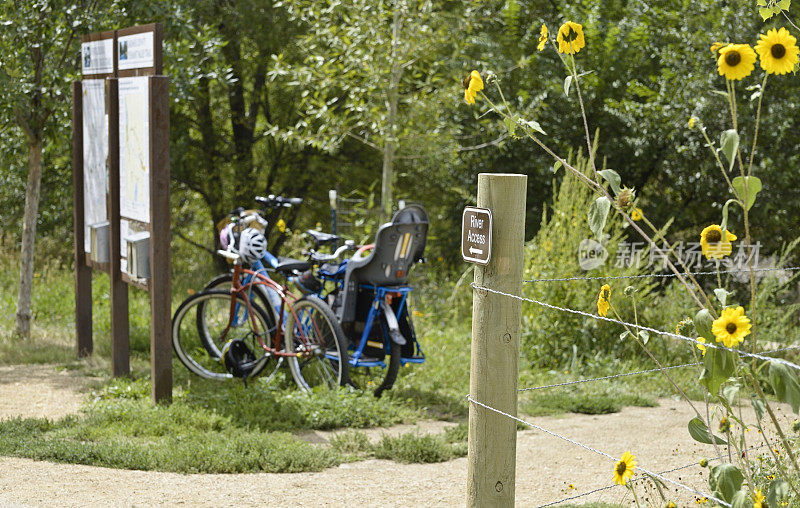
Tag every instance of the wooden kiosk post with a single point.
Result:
(495, 335)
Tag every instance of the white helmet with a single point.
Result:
(252, 245)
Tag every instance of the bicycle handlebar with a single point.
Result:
(229, 255)
(273, 201)
(316, 256)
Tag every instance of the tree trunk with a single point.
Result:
(23, 315)
(391, 129)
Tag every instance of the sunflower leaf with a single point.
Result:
(729, 144)
(598, 215)
(785, 4)
(778, 491)
(700, 433)
(741, 499)
(724, 225)
(754, 186)
(759, 407)
(613, 178)
(765, 12)
(727, 479)
(702, 323)
(718, 366)
(567, 84)
(722, 296)
(785, 384)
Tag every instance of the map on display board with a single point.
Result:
(134, 149)
(95, 153)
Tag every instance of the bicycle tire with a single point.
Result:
(202, 356)
(392, 368)
(328, 364)
(389, 376)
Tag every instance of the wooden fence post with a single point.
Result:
(495, 345)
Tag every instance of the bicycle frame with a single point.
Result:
(255, 278)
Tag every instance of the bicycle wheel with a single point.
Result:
(367, 377)
(315, 331)
(197, 341)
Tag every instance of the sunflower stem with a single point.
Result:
(686, 270)
(583, 115)
(758, 120)
(774, 419)
(719, 161)
(658, 364)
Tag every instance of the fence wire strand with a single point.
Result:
(664, 275)
(638, 327)
(598, 452)
(636, 373)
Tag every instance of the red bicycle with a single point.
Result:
(221, 334)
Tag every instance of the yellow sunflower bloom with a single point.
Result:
(472, 85)
(731, 327)
(736, 61)
(570, 38)
(700, 346)
(624, 467)
(712, 244)
(778, 51)
(604, 300)
(542, 37)
(758, 499)
(636, 214)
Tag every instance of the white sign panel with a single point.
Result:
(95, 153)
(134, 149)
(97, 57)
(136, 51)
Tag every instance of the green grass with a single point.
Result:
(411, 447)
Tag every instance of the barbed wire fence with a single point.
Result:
(495, 281)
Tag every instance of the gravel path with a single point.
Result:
(546, 467)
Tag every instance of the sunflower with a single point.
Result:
(472, 85)
(603, 300)
(736, 61)
(700, 346)
(636, 214)
(624, 467)
(731, 327)
(758, 499)
(717, 46)
(778, 51)
(712, 245)
(543, 33)
(570, 38)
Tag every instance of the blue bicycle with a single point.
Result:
(369, 294)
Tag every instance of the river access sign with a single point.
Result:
(476, 235)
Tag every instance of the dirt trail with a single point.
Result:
(545, 468)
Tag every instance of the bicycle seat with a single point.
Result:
(322, 238)
(289, 265)
(398, 244)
